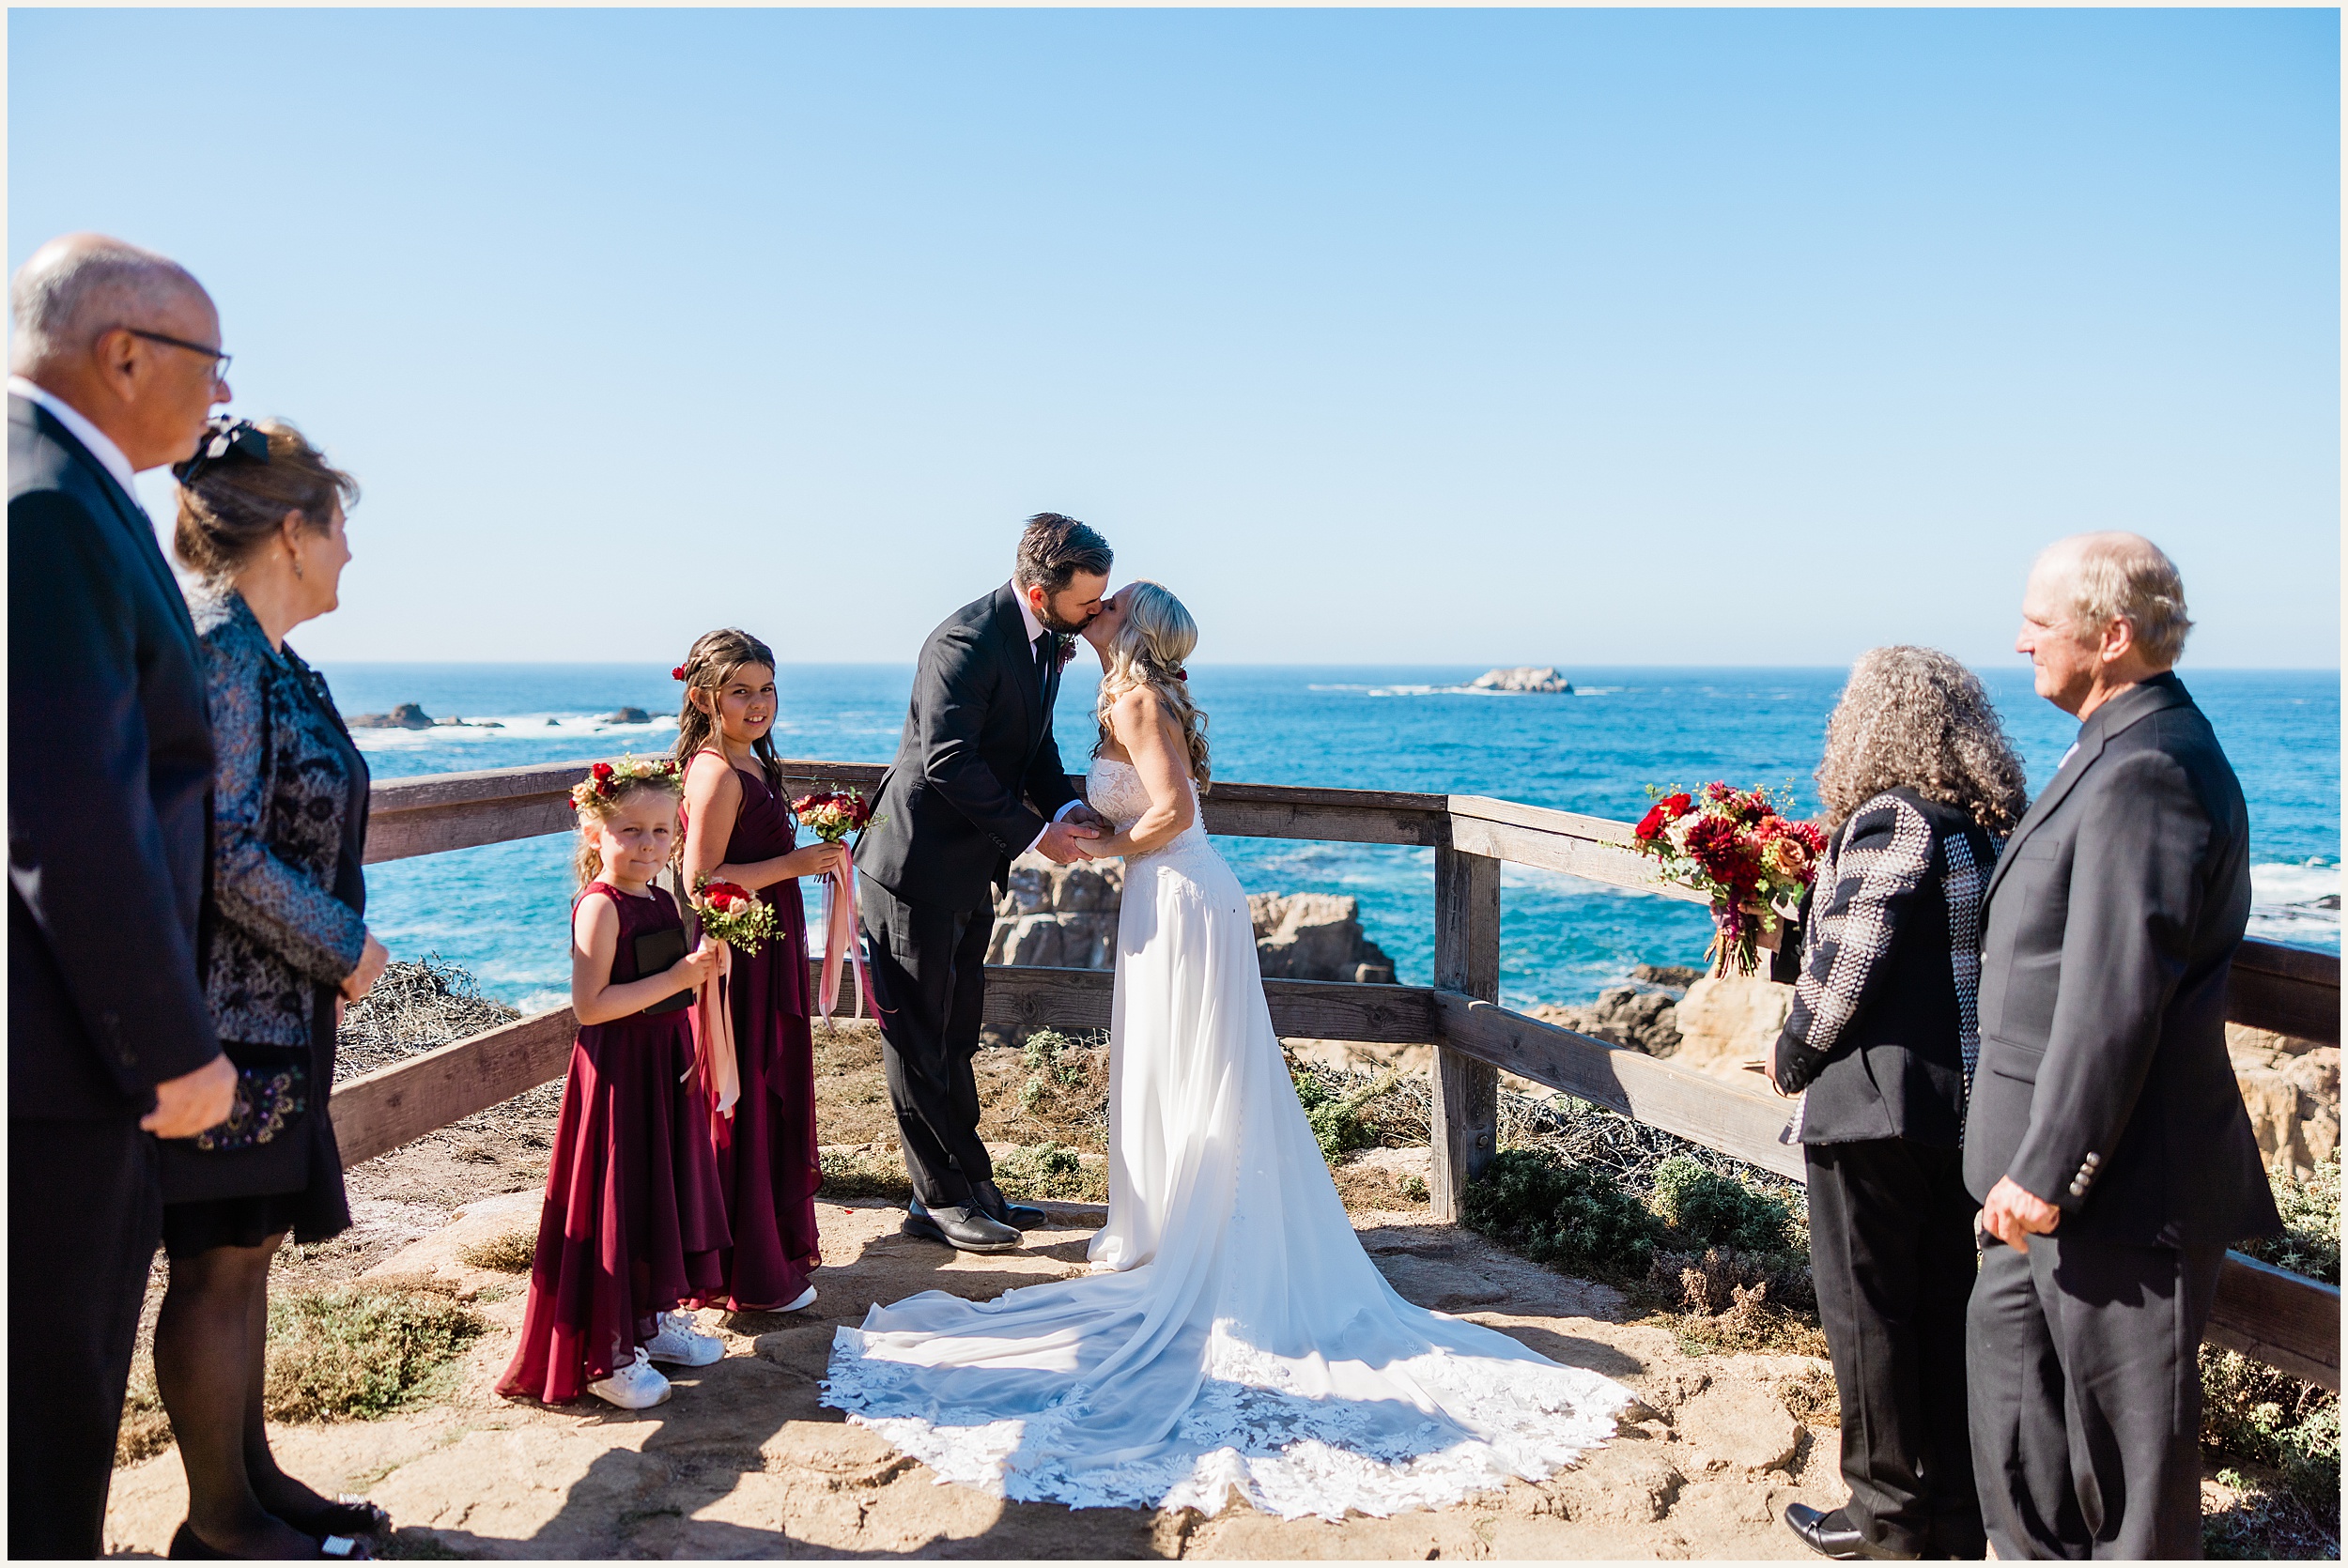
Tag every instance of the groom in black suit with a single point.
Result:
(978, 780)
(2106, 1139)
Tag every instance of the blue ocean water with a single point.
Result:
(501, 910)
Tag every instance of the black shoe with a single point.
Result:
(964, 1228)
(988, 1199)
(1833, 1535)
(349, 1516)
(186, 1544)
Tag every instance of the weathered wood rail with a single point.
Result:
(2289, 1321)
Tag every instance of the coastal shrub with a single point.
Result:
(1341, 1119)
(1708, 1209)
(2253, 1520)
(1067, 1085)
(2253, 1411)
(1051, 1171)
(510, 1253)
(1574, 1215)
(852, 1173)
(359, 1350)
(2310, 1244)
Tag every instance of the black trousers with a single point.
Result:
(929, 976)
(1892, 1254)
(85, 1211)
(2087, 1396)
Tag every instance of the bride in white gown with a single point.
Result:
(1233, 1335)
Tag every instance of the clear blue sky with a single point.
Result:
(1590, 337)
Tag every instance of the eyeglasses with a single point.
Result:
(220, 361)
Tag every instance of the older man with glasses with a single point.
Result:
(117, 364)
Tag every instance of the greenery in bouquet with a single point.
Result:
(832, 814)
(1742, 849)
(733, 915)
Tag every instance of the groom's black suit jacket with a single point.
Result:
(109, 783)
(2109, 929)
(977, 774)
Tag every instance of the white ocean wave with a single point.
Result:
(2297, 903)
(488, 730)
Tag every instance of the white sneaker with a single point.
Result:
(681, 1341)
(805, 1298)
(633, 1387)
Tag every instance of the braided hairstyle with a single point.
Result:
(715, 657)
(1156, 636)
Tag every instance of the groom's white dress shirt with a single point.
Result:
(1035, 629)
(101, 445)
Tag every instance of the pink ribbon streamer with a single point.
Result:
(839, 935)
(713, 1039)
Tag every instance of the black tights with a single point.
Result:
(209, 1365)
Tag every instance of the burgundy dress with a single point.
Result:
(770, 1167)
(634, 1223)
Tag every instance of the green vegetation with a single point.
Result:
(853, 1173)
(510, 1253)
(359, 1350)
(1711, 1210)
(1051, 1171)
(1340, 1121)
(2310, 1244)
(1576, 1216)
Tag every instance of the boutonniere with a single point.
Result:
(1067, 647)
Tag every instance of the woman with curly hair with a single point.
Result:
(1920, 787)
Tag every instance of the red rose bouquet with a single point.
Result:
(1741, 848)
(832, 815)
(733, 915)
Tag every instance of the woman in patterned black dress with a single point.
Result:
(1919, 787)
(261, 518)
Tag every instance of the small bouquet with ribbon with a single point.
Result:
(733, 916)
(1741, 848)
(832, 815)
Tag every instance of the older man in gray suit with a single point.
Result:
(2106, 1138)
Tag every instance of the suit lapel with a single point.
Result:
(130, 515)
(2122, 711)
(1014, 631)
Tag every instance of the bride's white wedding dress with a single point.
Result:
(1234, 1335)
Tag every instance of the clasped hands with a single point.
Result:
(1075, 836)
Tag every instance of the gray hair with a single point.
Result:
(2124, 576)
(77, 287)
(1915, 718)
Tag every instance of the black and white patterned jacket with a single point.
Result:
(281, 793)
(1885, 1029)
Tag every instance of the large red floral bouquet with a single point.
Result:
(733, 914)
(831, 815)
(1742, 849)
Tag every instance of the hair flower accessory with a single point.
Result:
(1182, 675)
(606, 782)
(225, 436)
(677, 674)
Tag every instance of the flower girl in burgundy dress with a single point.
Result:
(634, 1222)
(738, 828)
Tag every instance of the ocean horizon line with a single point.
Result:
(1562, 667)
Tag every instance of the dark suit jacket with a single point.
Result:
(110, 778)
(977, 774)
(1883, 1014)
(2113, 921)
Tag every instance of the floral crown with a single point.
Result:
(606, 782)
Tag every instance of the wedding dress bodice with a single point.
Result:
(1116, 791)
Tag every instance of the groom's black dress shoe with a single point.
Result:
(1833, 1535)
(988, 1199)
(964, 1228)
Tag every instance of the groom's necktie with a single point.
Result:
(1046, 645)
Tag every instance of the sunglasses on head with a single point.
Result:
(225, 439)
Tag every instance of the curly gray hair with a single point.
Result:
(1915, 717)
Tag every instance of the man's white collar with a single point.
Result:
(101, 445)
(1027, 615)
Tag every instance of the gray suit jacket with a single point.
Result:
(2110, 925)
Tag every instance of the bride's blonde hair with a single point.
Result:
(1148, 651)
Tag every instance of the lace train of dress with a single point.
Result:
(1234, 1336)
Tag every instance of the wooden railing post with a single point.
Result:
(1466, 1120)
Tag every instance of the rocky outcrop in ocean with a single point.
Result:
(1065, 916)
(1524, 677)
(410, 715)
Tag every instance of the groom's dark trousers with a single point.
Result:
(976, 779)
(2109, 929)
(110, 779)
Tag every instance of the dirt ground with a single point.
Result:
(745, 1462)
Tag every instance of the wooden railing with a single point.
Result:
(2285, 1320)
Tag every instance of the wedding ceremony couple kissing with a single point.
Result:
(2026, 1150)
